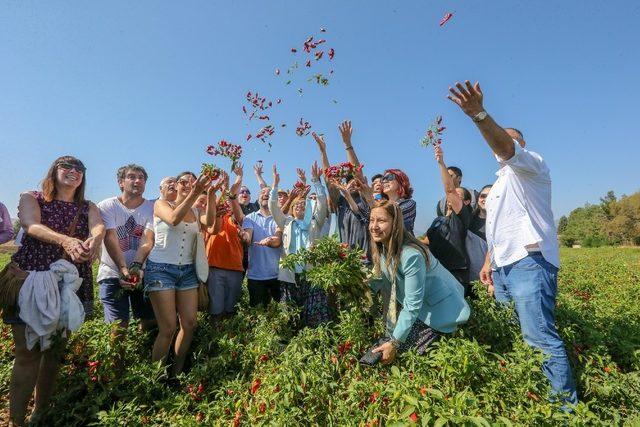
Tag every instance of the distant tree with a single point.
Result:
(585, 226)
(16, 227)
(607, 201)
(624, 224)
(562, 224)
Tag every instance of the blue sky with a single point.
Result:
(154, 82)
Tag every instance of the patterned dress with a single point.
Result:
(36, 255)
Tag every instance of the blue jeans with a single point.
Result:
(531, 284)
(117, 302)
(169, 277)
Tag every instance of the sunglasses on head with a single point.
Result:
(388, 177)
(69, 166)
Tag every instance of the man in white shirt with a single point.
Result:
(128, 220)
(523, 259)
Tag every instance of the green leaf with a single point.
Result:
(395, 371)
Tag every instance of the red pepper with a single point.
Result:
(446, 18)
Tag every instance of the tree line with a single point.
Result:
(611, 222)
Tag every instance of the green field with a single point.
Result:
(242, 374)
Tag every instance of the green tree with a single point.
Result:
(562, 224)
(624, 224)
(585, 226)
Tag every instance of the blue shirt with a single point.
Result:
(263, 260)
(429, 294)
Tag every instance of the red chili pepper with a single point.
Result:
(331, 53)
(413, 417)
(256, 385)
(319, 55)
(308, 64)
(446, 18)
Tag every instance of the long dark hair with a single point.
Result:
(399, 238)
(49, 189)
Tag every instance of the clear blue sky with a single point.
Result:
(154, 82)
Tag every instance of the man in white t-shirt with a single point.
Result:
(522, 259)
(128, 220)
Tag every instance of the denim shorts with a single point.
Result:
(117, 301)
(165, 277)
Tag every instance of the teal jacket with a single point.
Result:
(431, 295)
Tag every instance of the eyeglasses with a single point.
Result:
(72, 166)
(388, 177)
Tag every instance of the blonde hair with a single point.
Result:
(398, 239)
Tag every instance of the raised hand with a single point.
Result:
(320, 141)
(202, 183)
(438, 153)
(222, 182)
(345, 131)
(302, 177)
(316, 172)
(467, 97)
(257, 168)
(239, 169)
(276, 177)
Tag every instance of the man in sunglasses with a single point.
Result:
(523, 257)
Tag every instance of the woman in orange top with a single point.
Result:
(224, 252)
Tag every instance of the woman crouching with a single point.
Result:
(426, 298)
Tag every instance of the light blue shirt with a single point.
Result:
(431, 295)
(263, 260)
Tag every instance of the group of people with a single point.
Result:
(504, 235)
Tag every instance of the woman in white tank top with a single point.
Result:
(170, 276)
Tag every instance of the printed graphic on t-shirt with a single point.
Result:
(129, 234)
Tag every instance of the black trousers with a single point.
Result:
(263, 291)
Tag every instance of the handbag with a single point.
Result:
(200, 259)
(202, 271)
(12, 276)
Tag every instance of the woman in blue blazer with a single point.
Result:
(426, 298)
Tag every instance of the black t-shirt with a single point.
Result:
(250, 207)
(446, 239)
(477, 226)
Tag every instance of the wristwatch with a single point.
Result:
(480, 116)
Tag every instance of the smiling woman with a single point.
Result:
(59, 223)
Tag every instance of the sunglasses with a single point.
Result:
(245, 192)
(482, 196)
(72, 166)
(388, 177)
